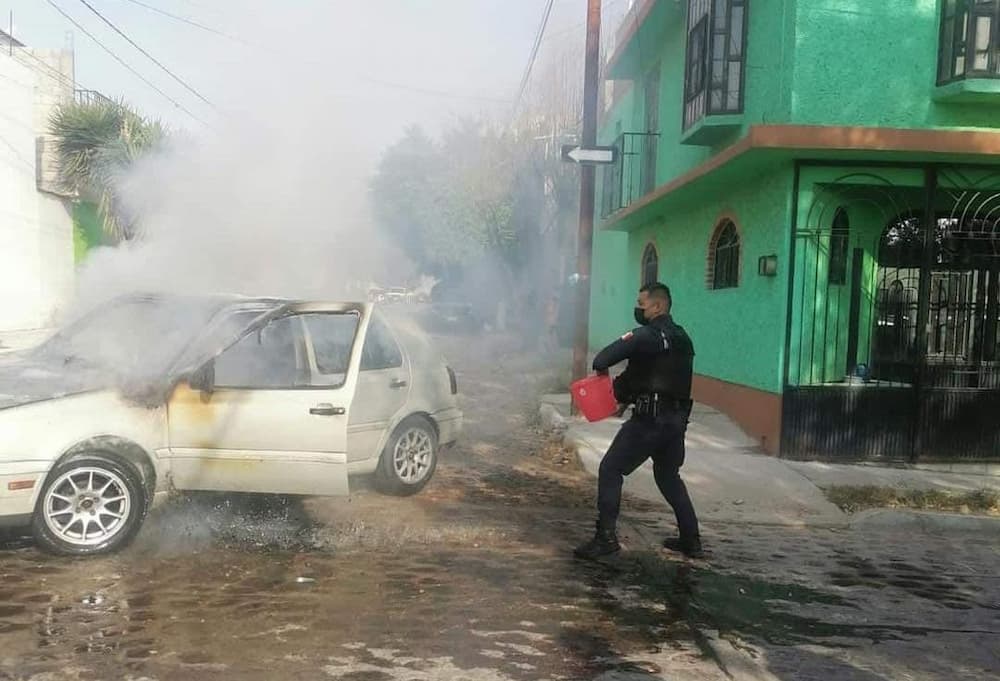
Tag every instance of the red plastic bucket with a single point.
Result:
(594, 397)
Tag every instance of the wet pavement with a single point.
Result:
(472, 579)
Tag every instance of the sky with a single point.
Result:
(303, 98)
(391, 62)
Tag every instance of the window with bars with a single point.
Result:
(725, 256)
(714, 69)
(840, 237)
(969, 40)
(650, 265)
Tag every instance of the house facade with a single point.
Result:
(36, 213)
(819, 184)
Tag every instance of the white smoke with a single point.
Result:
(273, 199)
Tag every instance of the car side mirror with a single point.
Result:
(203, 379)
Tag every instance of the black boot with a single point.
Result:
(604, 543)
(689, 546)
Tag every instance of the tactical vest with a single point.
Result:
(669, 371)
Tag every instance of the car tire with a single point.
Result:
(409, 459)
(94, 489)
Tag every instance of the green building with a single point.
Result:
(818, 181)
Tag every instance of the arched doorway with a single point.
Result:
(902, 362)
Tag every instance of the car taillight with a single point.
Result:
(453, 380)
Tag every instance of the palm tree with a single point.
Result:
(96, 145)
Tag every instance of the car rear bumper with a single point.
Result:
(449, 424)
(19, 485)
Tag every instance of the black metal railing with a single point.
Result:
(897, 357)
(92, 98)
(633, 175)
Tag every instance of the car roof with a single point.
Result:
(230, 299)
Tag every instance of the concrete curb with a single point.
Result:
(924, 522)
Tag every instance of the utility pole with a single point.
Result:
(588, 174)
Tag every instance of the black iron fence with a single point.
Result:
(894, 338)
(633, 175)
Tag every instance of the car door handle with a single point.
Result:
(327, 410)
(397, 384)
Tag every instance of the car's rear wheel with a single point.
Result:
(91, 504)
(409, 458)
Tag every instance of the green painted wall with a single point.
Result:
(736, 331)
(809, 62)
(613, 289)
(769, 71)
(861, 62)
(821, 311)
(88, 233)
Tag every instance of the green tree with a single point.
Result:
(96, 146)
(485, 207)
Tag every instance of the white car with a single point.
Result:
(152, 393)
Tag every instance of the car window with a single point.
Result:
(332, 336)
(263, 359)
(380, 350)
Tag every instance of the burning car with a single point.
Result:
(148, 394)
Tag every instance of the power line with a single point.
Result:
(123, 62)
(376, 81)
(190, 22)
(51, 70)
(534, 54)
(581, 24)
(147, 54)
(432, 93)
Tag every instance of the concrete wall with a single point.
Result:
(36, 238)
(53, 86)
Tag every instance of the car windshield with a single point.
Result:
(132, 337)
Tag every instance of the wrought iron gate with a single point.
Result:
(893, 348)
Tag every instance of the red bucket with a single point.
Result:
(594, 397)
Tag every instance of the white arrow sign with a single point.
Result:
(592, 155)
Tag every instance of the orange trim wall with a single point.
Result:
(757, 412)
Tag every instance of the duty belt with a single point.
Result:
(655, 404)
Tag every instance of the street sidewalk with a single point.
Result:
(11, 341)
(730, 480)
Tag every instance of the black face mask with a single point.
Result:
(640, 317)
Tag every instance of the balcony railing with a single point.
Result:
(92, 98)
(633, 175)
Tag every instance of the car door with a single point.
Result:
(382, 392)
(269, 423)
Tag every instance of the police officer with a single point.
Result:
(657, 384)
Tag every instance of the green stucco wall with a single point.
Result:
(738, 333)
(872, 197)
(873, 63)
(808, 62)
(612, 289)
(88, 232)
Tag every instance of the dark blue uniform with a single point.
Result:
(657, 383)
